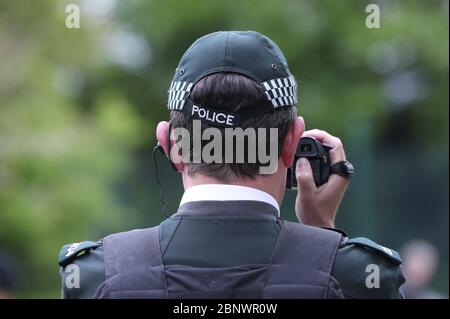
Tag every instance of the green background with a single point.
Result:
(79, 107)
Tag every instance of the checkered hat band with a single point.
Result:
(178, 93)
(281, 92)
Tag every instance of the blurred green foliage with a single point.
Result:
(79, 108)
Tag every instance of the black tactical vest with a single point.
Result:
(300, 268)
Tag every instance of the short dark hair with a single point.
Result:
(230, 92)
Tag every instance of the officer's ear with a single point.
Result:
(291, 140)
(163, 135)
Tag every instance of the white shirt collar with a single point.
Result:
(225, 192)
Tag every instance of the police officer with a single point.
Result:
(227, 238)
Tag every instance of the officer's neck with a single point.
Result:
(274, 184)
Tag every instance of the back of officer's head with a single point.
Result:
(231, 92)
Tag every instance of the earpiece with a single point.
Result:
(158, 147)
(169, 147)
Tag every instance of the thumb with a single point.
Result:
(305, 179)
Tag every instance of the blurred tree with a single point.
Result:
(58, 162)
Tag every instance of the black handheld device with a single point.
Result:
(319, 158)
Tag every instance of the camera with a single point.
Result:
(318, 155)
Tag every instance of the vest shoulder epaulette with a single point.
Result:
(388, 253)
(71, 251)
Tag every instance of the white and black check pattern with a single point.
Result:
(282, 91)
(178, 93)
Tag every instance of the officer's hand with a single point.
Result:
(317, 206)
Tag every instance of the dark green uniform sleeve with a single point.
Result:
(365, 270)
(82, 269)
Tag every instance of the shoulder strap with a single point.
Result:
(304, 255)
(71, 251)
(387, 253)
(126, 250)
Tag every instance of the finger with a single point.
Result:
(323, 137)
(336, 187)
(338, 183)
(337, 153)
(305, 179)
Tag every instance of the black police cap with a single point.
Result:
(248, 53)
